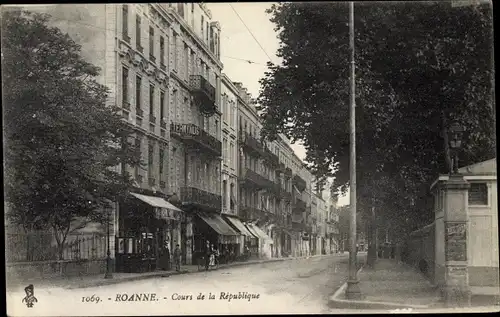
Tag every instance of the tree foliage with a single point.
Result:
(419, 66)
(63, 144)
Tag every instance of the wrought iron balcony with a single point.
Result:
(281, 168)
(298, 226)
(299, 205)
(299, 182)
(286, 195)
(251, 144)
(271, 157)
(204, 93)
(250, 213)
(197, 137)
(276, 189)
(288, 172)
(255, 180)
(204, 200)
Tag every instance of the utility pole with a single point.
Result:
(352, 291)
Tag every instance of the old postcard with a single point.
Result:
(249, 158)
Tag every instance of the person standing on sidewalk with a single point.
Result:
(208, 252)
(177, 258)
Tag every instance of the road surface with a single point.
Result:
(294, 286)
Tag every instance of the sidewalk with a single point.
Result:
(396, 286)
(391, 285)
(98, 280)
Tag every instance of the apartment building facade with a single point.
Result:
(230, 207)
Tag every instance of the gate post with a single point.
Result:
(456, 290)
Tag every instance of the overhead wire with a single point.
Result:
(249, 31)
(147, 39)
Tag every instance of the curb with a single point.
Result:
(336, 302)
(105, 282)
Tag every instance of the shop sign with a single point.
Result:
(456, 241)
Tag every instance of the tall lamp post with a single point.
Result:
(108, 274)
(455, 133)
(352, 290)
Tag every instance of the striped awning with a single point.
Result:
(218, 224)
(240, 226)
(163, 209)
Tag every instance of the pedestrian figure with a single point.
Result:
(177, 258)
(165, 257)
(208, 252)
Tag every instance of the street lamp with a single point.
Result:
(455, 133)
(109, 274)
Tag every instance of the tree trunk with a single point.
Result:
(372, 242)
(447, 151)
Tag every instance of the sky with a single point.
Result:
(238, 47)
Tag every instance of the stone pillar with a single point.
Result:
(456, 289)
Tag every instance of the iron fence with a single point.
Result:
(32, 247)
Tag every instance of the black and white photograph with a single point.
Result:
(247, 158)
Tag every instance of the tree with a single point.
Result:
(419, 67)
(63, 144)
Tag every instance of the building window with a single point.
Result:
(224, 194)
(124, 85)
(232, 159)
(192, 15)
(212, 41)
(152, 103)
(478, 194)
(231, 197)
(186, 60)
(138, 95)
(162, 154)
(225, 148)
(152, 44)
(202, 24)
(207, 32)
(151, 152)
(175, 51)
(162, 53)
(138, 33)
(126, 38)
(162, 106)
(180, 9)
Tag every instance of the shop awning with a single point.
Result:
(240, 226)
(164, 209)
(218, 224)
(155, 201)
(259, 233)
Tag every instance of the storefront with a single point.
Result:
(211, 227)
(147, 232)
(246, 236)
(264, 241)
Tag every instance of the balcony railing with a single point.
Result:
(281, 168)
(288, 172)
(205, 94)
(196, 136)
(271, 157)
(298, 226)
(253, 179)
(204, 200)
(299, 182)
(276, 189)
(250, 213)
(250, 143)
(286, 195)
(299, 205)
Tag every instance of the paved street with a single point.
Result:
(297, 286)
